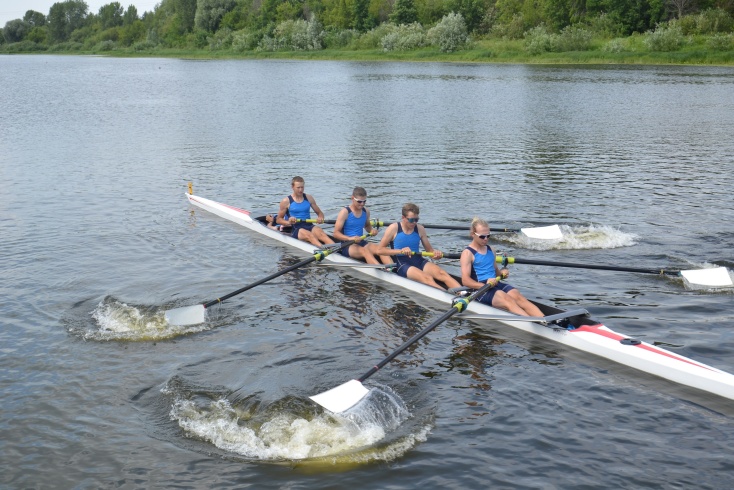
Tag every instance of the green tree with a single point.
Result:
(130, 16)
(110, 15)
(16, 30)
(472, 11)
(404, 12)
(65, 17)
(209, 13)
(361, 14)
(35, 19)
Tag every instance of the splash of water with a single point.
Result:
(293, 429)
(578, 238)
(115, 320)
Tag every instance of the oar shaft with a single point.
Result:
(316, 256)
(513, 260)
(457, 307)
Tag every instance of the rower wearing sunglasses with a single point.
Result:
(351, 222)
(479, 267)
(404, 238)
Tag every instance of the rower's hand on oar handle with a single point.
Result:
(504, 273)
(373, 232)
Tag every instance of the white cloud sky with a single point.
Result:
(16, 9)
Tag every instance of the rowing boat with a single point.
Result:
(571, 328)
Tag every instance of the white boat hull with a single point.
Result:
(589, 336)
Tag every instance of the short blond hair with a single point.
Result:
(477, 222)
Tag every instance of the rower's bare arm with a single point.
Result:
(316, 208)
(341, 218)
(280, 219)
(368, 226)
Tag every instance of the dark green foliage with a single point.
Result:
(65, 17)
(243, 25)
(16, 30)
(35, 19)
(110, 15)
(404, 12)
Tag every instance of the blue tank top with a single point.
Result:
(403, 239)
(300, 210)
(354, 226)
(483, 266)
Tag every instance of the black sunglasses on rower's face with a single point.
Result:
(481, 237)
(412, 220)
(360, 201)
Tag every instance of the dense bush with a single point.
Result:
(405, 38)
(339, 38)
(615, 46)
(245, 40)
(540, 40)
(16, 30)
(372, 39)
(720, 42)
(296, 35)
(450, 33)
(709, 21)
(105, 46)
(664, 38)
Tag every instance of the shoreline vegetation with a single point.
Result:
(472, 31)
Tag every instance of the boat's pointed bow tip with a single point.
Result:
(341, 398)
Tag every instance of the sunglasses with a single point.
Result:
(412, 220)
(482, 237)
(360, 201)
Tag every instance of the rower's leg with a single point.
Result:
(527, 306)
(418, 275)
(439, 274)
(307, 236)
(360, 252)
(321, 235)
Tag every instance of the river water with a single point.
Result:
(98, 240)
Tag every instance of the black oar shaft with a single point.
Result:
(316, 256)
(257, 283)
(513, 260)
(435, 227)
(457, 307)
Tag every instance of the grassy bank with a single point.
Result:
(633, 51)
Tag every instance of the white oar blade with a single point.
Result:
(187, 315)
(715, 277)
(552, 232)
(341, 398)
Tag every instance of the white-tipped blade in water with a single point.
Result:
(552, 232)
(715, 277)
(187, 315)
(341, 398)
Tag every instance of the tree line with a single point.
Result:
(316, 24)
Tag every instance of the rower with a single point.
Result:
(350, 224)
(405, 238)
(479, 267)
(298, 206)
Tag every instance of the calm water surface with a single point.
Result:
(98, 240)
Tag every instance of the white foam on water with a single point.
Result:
(352, 437)
(120, 321)
(577, 238)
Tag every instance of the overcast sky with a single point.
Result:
(16, 9)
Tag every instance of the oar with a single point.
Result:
(552, 232)
(345, 396)
(191, 315)
(714, 277)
